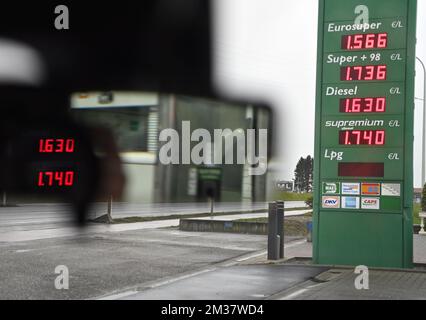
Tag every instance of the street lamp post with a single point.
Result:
(424, 124)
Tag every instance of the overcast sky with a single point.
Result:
(267, 49)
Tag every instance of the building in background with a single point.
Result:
(287, 186)
(136, 120)
(417, 193)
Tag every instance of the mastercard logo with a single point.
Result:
(370, 189)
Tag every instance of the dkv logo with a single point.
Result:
(331, 202)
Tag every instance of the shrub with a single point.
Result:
(309, 201)
(424, 198)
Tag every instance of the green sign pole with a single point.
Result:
(363, 170)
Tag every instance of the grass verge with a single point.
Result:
(416, 209)
(293, 225)
(290, 196)
(134, 219)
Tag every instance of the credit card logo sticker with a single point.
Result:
(370, 189)
(350, 202)
(331, 187)
(391, 189)
(370, 203)
(331, 202)
(350, 188)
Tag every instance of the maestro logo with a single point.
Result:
(330, 202)
(350, 188)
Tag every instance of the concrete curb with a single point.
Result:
(204, 225)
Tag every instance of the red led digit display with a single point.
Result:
(361, 73)
(56, 145)
(362, 105)
(55, 178)
(361, 169)
(362, 137)
(365, 41)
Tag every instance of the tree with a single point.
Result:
(303, 174)
(309, 166)
(298, 176)
(424, 198)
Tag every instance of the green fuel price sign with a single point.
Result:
(364, 133)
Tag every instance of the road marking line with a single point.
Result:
(119, 295)
(289, 245)
(252, 256)
(293, 244)
(155, 285)
(24, 250)
(159, 284)
(293, 295)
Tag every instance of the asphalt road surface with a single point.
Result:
(105, 260)
(104, 263)
(240, 282)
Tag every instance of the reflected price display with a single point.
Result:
(54, 160)
(55, 178)
(56, 145)
(362, 137)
